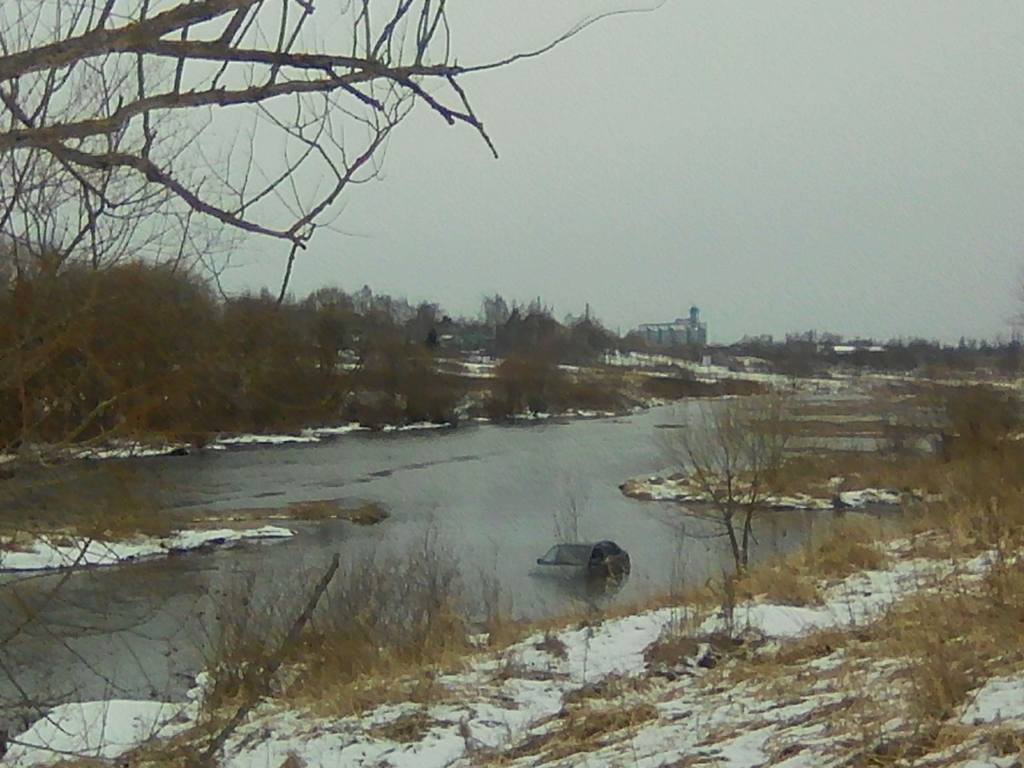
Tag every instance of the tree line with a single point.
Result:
(144, 350)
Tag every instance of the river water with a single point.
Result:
(491, 497)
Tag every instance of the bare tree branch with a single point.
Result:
(104, 97)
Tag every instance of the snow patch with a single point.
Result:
(50, 552)
(100, 730)
(680, 489)
(414, 427)
(266, 439)
(999, 700)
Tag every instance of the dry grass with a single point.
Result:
(931, 650)
(850, 546)
(937, 645)
(405, 729)
(955, 639)
(367, 513)
(682, 387)
(609, 689)
(811, 472)
(670, 650)
(361, 513)
(906, 675)
(584, 729)
(107, 503)
(813, 427)
(503, 631)
(814, 645)
(380, 629)
(552, 644)
(781, 583)
(981, 507)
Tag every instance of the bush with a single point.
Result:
(382, 616)
(526, 383)
(685, 385)
(89, 352)
(980, 419)
(398, 382)
(276, 381)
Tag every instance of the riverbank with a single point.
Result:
(68, 549)
(471, 389)
(757, 683)
(681, 489)
(45, 552)
(155, 447)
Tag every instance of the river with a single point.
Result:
(489, 495)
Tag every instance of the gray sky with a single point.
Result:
(847, 166)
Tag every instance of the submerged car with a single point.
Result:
(604, 559)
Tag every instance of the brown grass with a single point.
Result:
(814, 645)
(942, 642)
(955, 639)
(806, 427)
(782, 583)
(405, 729)
(850, 546)
(367, 513)
(384, 624)
(948, 640)
(503, 631)
(914, 667)
(609, 689)
(360, 513)
(552, 644)
(670, 650)
(104, 501)
(677, 388)
(811, 472)
(584, 730)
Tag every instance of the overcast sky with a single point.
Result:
(846, 166)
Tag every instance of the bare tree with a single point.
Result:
(731, 453)
(251, 114)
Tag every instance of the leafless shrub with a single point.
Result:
(732, 452)
(567, 517)
(383, 616)
(525, 383)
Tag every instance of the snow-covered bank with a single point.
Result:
(137, 449)
(657, 364)
(102, 730)
(680, 489)
(127, 449)
(56, 552)
(596, 689)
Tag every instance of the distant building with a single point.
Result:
(681, 332)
